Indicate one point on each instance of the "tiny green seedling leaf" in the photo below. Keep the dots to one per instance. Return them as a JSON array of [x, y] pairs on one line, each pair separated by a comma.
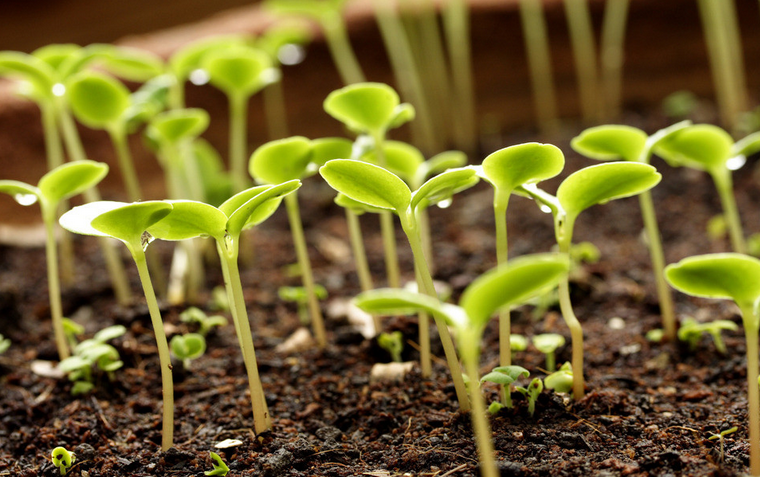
[[328, 148], [561, 381], [439, 163], [132, 64], [220, 468], [548, 343], [98, 100], [611, 143], [282, 160], [190, 58], [393, 343], [441, 188], [532, 392], [62, 459], [205, 323], [522, 164], [367, 183], [518, 342], [398, 157], [701, 146], [239, 70], [368, 107], [109, 333], [5, 343], [188, 347], [36, 72], [504, 376], [721, 275], [173, 126]]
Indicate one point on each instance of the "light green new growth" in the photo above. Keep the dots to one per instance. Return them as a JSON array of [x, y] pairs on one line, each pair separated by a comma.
[[691, 332], [507, 285], [532, 392], [393, 343], [94, 352], [188, 347], [721, 436], [5, 343], [504, 376], [53, 188], [128, 223], [62, 459], [205, 323], [300, 297], [548, 343], [220, 468], [735, 277], [561, 381]]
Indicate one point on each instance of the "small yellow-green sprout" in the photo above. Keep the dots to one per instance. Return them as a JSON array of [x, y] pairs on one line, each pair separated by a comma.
[[62, 459], [72, 329], [94, 352], [393, 343], [5, 343], [532, 392], [188, 347], [205, 323], [504, 376], [220, 301], [517, 342], [680, 104], [561, 381], [721, 437], [655, 335], [220, 468], [300, 297], [717, 227], [548, 343], [691, 332]]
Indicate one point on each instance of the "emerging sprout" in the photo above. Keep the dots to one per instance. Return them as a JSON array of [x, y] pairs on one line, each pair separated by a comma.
[[94, 352], [393, 343], [504, 376], [300, 297], [220, 468], [517, 342], [532, 392], [561, 381], [548, 343], [5, 343], [721, 436], [691, 332], [62, 459], [72, 329], [205, 323], [188, 347]]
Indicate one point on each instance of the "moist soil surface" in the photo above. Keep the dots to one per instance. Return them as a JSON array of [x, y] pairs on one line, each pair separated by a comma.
[[649, 409]]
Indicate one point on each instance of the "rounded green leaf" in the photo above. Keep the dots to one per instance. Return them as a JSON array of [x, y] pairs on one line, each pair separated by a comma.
[[548, 342], [280, 161], [604, 182], [367, 183], [437, 164], [260, 207], [514, 283], [23, 193], [527, 163], [720, 275], [357, 207], [188, 346], [110, 333], [747, 146], [701, 146], [233, 203], [292, 32], [132, 64], [398, 157], [55, 54], [79, 219], [505, 375], [97, 100], [189, 219], [28, 68], [173, 126], [70, 179], [127, 223], [611, 143], [329, 148], [239, 70], [364, 107], [390, 301], [443, 186], [190, 57]]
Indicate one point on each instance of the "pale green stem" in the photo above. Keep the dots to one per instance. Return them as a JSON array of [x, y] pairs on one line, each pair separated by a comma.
[[564, 240], [723, 182], [753, 393], [412, 234], [194, 189], [423, 221], [584, 53], [164, 358], [113, 263], [177, 94], [360, 259], [54, 287], [733, 38], [299, 240], [480, 424], [456, 18], [539, 61], [658, 265], [275, 111], [261, 418], [231, 297], [551, 361], [612, 54], [340, 49], [238, 121], [501, 201], [387, 229], [423, 335], [126, 164]]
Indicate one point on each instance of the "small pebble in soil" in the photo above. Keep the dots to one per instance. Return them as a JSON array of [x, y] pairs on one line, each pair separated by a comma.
[[616, 323], [274, 464]]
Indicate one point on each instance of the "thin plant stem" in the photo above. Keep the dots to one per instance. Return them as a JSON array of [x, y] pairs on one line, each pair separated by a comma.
[[389, 247], [423, 335], [753, 393], [576, 332], [54, 287], [238, 120], [164, 358], [480, 424], [412, 234], [501, 202], [296, 227], [340, 49], [658, 265], [723, 183], [176, 95], [275, 111], [456, 19], [126, 164], [360, 259], [612, 54], [582, 41], [733, 37], [423, 221], [539, 62]]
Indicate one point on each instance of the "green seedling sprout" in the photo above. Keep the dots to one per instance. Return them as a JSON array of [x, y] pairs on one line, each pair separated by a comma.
[[504, 376], [721, 437], [72, 329], [584, 188], [328, 13], [277, 162], [549, 343], [219, 467], [188, 347], [373, 109], [539, 62], [532, 392], [62, 459], [300, 297], [711, 149], [94, 352], [205, 323], [54, 187], [691, 332], [128, 223], [377, 187], [5, 343], [561, 381], [518, 342], [190, 219], [219, 299], [614, 142], [736, 277], [507, 285], [507, 169], [393, 343], [240, 72]]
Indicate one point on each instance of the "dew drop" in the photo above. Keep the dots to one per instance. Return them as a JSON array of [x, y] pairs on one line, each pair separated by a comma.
[[545, 209], [199, 77], [445, 203], [291, 54], [59, 89], [270, 75], [25, 199], [736, 162]]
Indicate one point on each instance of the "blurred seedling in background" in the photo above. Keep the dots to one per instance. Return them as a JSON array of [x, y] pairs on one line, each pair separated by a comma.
[[691, 332], [188, 347], [5, 343], [393, 343], [72, 330], [549, 343], [219, 467], [93, 353], [205, 323], [300, 297], [560, 381], [62, 459], [504, 376]]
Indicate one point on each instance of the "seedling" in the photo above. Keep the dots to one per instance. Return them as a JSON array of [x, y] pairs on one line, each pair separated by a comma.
[[189, 219], [691, 331], [5, 343], [507, 169], [62, 459], [220, 468], [380, 188], [612, 142], [205, 323], [94, 352], [393, 343], [736, 277], [188, 347], [72, 329], [507, 285], [561, 381], [54, 187], [721, 437], [532, 392], [128, 223], [504, 376], [589, 186], [300, 297], [548, 343]]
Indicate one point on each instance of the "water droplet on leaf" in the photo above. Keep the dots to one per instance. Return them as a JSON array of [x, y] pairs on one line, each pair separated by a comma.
[[291, 54], [25, 199], [736, 162], [199, 77], [59, 89], [445, 203]]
